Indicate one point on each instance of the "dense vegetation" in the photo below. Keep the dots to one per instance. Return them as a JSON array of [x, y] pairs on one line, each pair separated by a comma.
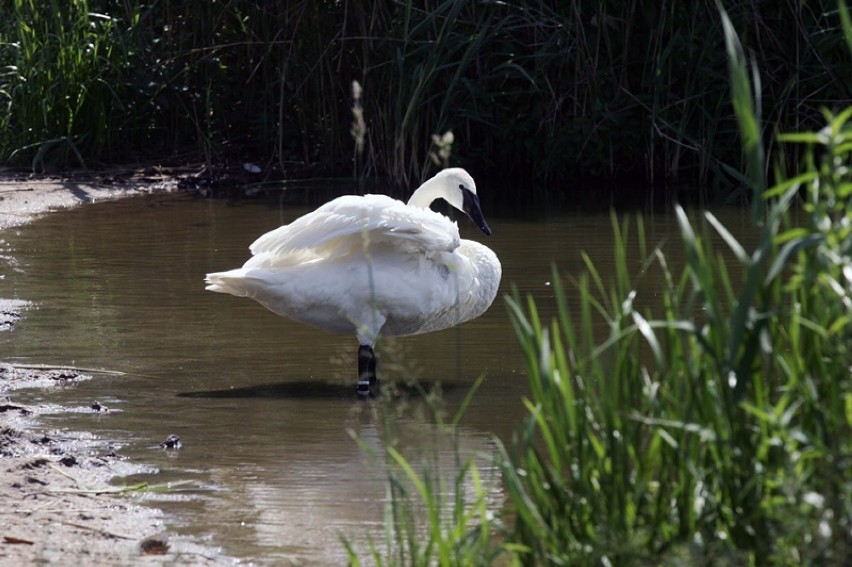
[[712, 425], [547, 91]]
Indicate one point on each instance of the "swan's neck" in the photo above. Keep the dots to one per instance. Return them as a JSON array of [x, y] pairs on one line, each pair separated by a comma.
[[426, 193]]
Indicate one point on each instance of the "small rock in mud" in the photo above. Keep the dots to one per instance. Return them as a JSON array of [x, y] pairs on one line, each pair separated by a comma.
[[7, 405], [17, 540], [9, 438], [171, 442], [10, 312], [8, 320], [36, 463], [157, 544]]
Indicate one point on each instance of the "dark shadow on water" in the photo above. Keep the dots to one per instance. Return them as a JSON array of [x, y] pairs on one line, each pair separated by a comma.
[[317, 390], [305, 389]]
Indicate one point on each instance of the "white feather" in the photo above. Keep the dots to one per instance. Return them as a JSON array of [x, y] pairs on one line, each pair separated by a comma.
[[371, 264]]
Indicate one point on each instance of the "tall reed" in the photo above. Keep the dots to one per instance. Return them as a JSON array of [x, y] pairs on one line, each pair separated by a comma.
[[712, 424], [441, 508], [549, 91], [64, 72], [713, 431]]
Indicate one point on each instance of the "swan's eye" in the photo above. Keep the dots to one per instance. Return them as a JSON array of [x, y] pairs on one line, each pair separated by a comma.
[[461, 186]]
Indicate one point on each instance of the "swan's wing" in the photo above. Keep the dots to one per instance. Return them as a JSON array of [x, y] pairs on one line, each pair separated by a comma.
[[337, 225]]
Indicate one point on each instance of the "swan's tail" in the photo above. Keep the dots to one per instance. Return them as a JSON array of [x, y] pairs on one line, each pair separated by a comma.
[[233, 282]]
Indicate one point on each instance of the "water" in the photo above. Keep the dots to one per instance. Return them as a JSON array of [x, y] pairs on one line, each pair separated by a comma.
[[265, 407]]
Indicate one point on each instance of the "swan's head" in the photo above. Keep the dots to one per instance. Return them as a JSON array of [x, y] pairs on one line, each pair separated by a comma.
[[455, 186]]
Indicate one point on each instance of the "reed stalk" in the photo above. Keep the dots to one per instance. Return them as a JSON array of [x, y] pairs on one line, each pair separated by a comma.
[[711, 424], [548, 91], [710, 432]]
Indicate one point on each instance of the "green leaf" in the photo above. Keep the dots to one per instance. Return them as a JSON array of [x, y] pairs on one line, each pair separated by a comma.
[[647, 332], [845, 23], [791, 184], [803, 138], [729, 239], [848, 403], [788, 250]]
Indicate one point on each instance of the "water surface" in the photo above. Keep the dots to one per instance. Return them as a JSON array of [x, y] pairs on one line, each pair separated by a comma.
[[265, 407]]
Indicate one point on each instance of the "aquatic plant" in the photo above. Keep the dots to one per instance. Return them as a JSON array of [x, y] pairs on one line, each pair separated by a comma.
[[719, 428], [437, 512], [546, 90], [64, 69], [712, 423]]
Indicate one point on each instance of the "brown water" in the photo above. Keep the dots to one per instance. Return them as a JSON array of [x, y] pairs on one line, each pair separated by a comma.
[[265, 407]]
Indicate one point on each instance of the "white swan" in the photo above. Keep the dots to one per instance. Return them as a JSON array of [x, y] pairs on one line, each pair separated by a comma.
[[372, 264]]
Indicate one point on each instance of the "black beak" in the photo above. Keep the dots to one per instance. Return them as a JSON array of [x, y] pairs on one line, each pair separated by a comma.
[[474, 212]]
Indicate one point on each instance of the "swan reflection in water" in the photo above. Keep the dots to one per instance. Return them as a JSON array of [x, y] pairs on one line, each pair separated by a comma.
[[297, 504]]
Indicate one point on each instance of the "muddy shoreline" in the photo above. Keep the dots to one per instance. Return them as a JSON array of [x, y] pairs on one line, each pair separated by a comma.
[[61, 501]]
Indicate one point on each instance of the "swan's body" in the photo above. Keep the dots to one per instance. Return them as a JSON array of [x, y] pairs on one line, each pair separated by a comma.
[[369, 265]]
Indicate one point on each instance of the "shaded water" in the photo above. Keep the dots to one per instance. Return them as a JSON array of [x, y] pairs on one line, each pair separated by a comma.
[[264, 406]]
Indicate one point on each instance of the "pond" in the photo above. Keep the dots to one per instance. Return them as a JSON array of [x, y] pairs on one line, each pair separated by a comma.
[[265, 407]]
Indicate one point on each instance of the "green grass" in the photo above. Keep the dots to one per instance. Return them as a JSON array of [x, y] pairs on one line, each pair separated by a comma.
[[437, 512], [717, 429], [62, 73], [551, 92], [711, 424]]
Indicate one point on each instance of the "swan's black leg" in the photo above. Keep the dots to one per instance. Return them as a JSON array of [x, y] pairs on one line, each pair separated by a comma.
[[368, 384]]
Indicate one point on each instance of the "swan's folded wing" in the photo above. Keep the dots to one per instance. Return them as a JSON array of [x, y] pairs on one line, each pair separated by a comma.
[[337, 225]]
